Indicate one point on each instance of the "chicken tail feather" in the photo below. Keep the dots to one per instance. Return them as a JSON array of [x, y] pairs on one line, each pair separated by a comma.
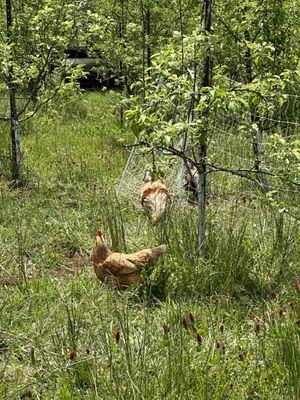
[[156, 252]]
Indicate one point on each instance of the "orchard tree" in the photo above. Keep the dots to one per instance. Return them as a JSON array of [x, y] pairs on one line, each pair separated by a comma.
[[232, 70], [256, 54], [33, 64], [176, 105], [135, 31]]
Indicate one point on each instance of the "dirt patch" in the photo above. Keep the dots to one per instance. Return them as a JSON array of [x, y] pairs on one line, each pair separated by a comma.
[[74, 265]]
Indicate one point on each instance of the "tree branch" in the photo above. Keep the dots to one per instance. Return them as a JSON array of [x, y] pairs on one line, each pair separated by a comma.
[[244, 173], [41, 104]]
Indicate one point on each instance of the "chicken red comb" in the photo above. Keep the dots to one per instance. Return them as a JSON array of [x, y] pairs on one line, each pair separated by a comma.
[[100, 234]]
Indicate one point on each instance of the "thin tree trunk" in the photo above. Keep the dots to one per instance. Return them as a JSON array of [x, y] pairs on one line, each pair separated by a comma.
[[148, 35], [14, 118], [181, 34], [121, 64], [143, 48], [184, 166], [257, 139], [206, 81], [260, 157]]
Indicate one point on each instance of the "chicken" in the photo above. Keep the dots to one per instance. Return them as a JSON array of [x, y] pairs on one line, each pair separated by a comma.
[[154, 197], [124, 269]]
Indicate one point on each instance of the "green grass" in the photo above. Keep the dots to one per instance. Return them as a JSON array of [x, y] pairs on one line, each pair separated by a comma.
[[73, 158]]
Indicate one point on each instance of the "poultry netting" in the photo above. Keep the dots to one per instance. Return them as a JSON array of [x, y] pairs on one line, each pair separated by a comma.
[[167, 167], [242, 164]]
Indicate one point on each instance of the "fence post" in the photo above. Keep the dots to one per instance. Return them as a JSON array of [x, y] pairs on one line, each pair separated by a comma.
[[206, 82]]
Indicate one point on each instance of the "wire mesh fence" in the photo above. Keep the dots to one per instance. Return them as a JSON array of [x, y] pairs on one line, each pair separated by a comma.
[[236, 172]]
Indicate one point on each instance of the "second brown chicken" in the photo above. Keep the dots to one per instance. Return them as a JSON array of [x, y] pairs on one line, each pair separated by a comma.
[[154, 197]]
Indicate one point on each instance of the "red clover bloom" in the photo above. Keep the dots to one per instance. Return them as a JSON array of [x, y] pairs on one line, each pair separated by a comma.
[[184, 322], [117, 335], [198, 337], [257, 327], [192, 317]]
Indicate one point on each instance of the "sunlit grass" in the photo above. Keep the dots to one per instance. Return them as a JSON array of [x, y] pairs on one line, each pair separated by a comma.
[[52, 304]]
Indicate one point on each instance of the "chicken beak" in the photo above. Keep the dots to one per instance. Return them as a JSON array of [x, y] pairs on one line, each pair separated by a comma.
[[99, 240]]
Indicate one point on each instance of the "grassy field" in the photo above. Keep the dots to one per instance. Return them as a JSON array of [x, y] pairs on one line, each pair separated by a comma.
[[222, 328]]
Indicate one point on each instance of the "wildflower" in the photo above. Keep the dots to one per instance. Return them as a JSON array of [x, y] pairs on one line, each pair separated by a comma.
[[166, 328], [280, 311], [221, 327], [184, 322], [291, 304], [257, 327], [42, 371], [272, 314], [87, 350], [216, 301], [241, 355], [198, 337], [192, 317], [117, 335], [298, 322], [72, 355]]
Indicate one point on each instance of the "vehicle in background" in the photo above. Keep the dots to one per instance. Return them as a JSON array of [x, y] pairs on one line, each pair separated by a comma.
[[94, 77]]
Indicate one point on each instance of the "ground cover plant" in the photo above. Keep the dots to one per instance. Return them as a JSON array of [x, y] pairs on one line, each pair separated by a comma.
[[202, 91], [224, 327]]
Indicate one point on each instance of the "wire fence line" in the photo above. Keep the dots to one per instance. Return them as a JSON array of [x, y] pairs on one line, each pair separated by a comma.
[[231, 139], [231, 147]]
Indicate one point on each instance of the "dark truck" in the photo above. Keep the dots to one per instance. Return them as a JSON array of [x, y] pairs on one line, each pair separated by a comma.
[[94, 78]]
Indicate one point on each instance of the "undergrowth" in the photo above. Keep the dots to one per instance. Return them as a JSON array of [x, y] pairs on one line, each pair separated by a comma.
[[226, 327]]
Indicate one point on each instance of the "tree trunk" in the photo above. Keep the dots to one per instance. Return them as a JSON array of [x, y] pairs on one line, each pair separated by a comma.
[[206, 81], [148, 35], [15, 139], [143, 38], [122, 73], [258, 151], [181, 34], [257, 139], [14, 119]]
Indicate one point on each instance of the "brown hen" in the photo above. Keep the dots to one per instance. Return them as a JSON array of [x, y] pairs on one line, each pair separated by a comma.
[[123, 269], [154, 197]]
